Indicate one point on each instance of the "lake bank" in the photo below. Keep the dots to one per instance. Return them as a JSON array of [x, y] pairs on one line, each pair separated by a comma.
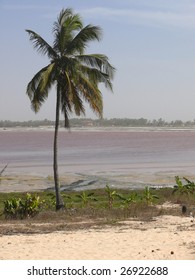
[[80, 181]]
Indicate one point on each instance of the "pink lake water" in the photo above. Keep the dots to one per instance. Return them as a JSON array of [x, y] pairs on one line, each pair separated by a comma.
[[105, 152]]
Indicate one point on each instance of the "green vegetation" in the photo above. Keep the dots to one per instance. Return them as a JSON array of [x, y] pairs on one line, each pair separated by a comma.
[[111, 194], [127, 201], [86, 198], [105, 204], [22, 208], [148, 196], [183, 189]]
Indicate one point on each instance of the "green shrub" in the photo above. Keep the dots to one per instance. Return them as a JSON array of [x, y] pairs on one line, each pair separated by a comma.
[[22, 208], [181, 188]]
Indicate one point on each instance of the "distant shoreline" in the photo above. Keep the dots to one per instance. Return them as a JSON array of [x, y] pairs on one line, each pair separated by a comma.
[[106, 123], [100, 129]]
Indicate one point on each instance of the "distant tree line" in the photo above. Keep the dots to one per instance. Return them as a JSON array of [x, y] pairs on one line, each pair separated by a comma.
[[86, 122]]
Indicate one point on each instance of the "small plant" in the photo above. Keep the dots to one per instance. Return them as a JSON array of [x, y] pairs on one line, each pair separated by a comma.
[[52, 200], [190, 184], [11, 208], [30, 206], [85, 198], [183, 188], [17, 208], [111, 194], [148, 196], [127, 201]]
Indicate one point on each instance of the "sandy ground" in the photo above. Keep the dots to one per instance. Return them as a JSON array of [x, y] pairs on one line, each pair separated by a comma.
[[164, 238], [18, 182]]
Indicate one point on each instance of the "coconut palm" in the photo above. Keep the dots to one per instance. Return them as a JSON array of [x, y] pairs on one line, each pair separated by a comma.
[[75, 75]]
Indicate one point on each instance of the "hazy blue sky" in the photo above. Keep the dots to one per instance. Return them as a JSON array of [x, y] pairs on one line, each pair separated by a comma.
[[150, 42]]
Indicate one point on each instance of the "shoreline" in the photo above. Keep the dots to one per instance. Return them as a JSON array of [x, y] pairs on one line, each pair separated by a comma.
[[72, 181], [99, 129], [26, 182]]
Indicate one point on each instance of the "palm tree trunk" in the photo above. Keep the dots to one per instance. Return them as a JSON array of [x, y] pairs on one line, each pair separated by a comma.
[[59, 200]]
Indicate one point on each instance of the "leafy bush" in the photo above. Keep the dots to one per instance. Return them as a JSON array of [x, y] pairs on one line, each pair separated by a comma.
[[22, 208], [181, 188]]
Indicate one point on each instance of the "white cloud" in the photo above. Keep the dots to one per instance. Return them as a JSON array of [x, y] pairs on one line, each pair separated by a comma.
[[182, 17], [163, 13]]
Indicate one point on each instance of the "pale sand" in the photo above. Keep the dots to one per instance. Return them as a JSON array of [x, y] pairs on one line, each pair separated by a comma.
[[164, 238]]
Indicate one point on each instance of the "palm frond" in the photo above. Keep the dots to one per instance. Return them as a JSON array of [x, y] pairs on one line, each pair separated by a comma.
[[68, 19], [41, 45], [66, 119], [64, 15], [79, 43], [38, 87], [64, 29], [74, 97], [91, 94], [95, 75], [70, 99], [98, 61]]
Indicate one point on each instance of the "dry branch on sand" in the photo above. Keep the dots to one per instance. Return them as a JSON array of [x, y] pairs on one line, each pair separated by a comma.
[[2, 170]]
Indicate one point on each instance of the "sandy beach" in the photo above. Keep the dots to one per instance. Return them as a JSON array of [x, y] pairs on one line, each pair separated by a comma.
[[163, 238]]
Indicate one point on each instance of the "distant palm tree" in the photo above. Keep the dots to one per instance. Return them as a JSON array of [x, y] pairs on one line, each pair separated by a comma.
[[75, 74]]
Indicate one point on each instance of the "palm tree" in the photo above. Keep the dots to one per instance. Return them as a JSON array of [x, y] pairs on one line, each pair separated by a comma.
[[76, 75]]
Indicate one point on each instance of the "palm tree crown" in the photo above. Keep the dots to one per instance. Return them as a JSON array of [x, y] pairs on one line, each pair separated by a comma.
[[75, 74]]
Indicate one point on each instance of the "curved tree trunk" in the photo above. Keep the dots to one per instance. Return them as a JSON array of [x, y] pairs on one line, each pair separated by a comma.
[[59, 200]]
